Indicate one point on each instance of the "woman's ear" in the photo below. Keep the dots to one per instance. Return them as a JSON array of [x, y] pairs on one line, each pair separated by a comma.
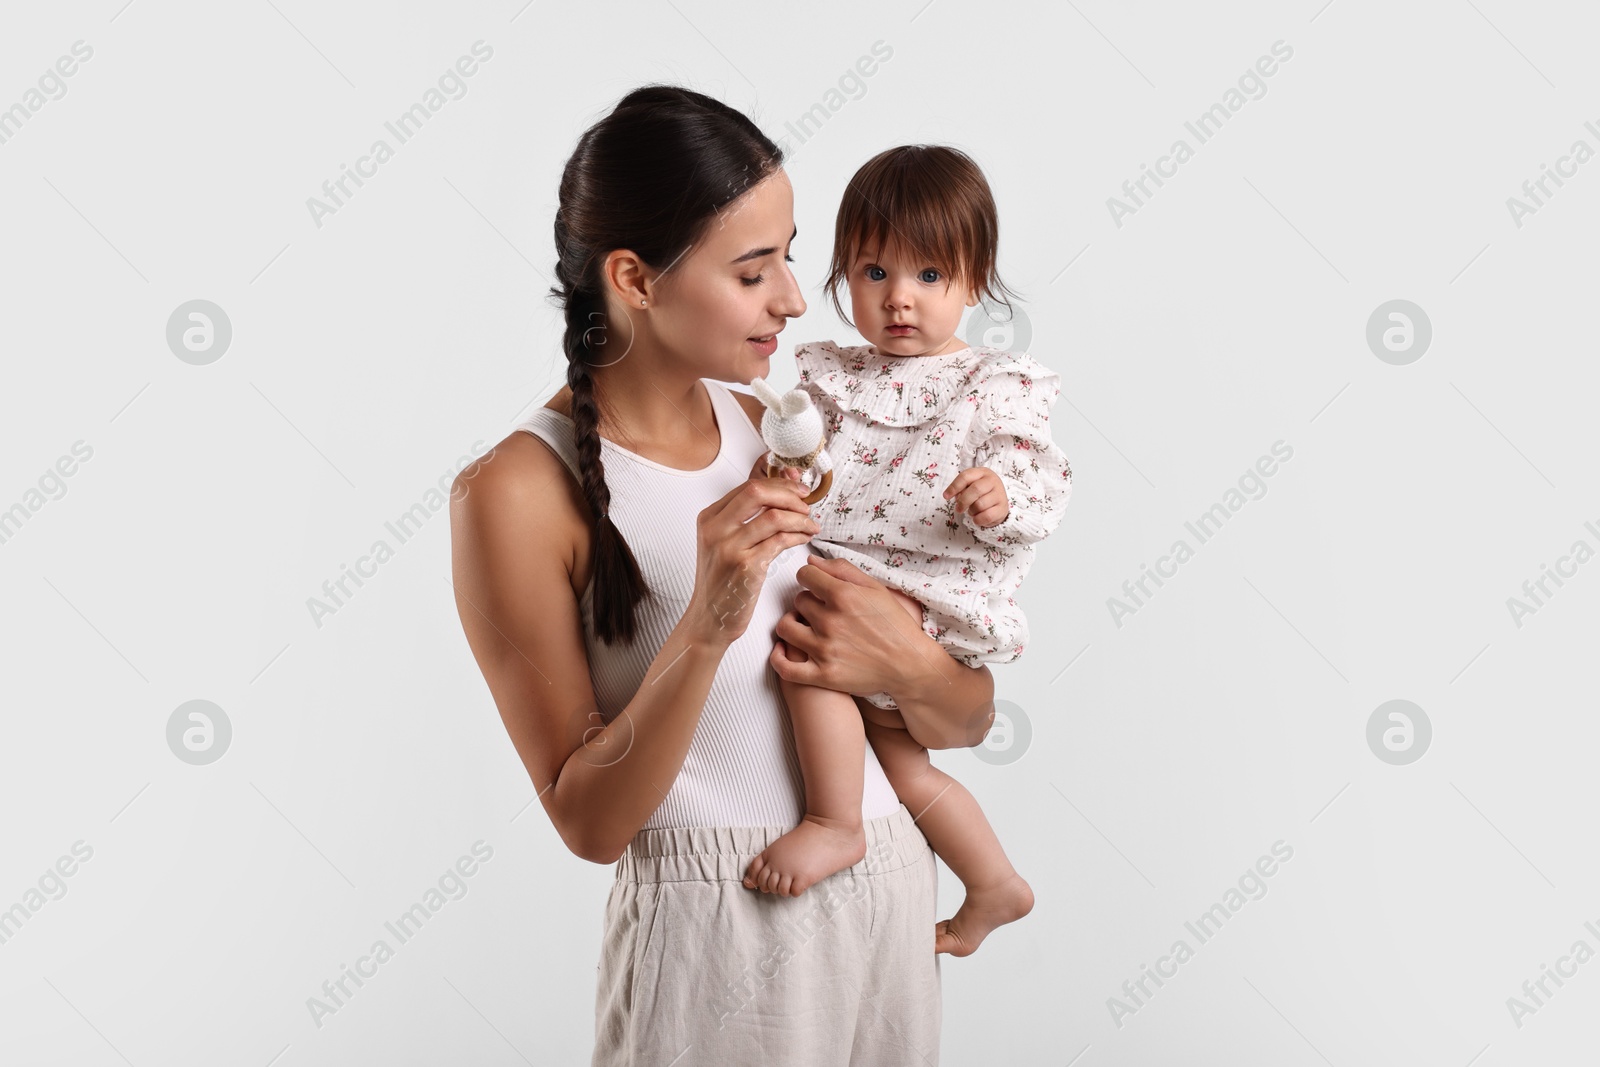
[[627, 277]]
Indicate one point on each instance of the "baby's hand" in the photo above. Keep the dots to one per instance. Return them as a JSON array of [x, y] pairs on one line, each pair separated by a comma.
[[980, 491]]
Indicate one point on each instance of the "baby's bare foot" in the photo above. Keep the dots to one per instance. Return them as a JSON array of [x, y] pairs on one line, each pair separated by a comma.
[[806, 855], [983, 910]]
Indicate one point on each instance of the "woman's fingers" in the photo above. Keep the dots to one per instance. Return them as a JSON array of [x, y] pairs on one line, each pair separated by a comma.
[[792, 627], [797, 638], [855, 635], [815, 579], [737, 537], [772, 524], [754, 511], [781, 543], [760, 471], [739, 505], [844, 570], [805, 606], [764, 492], [789, 667]]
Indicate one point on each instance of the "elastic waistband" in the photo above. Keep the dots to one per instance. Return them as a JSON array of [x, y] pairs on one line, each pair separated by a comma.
[[722, 853]]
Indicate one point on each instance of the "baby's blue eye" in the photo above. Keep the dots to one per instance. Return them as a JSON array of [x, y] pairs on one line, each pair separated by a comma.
[[877, 274]]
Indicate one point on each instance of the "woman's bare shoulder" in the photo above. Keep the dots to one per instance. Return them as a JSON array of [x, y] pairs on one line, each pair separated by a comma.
[[520, 491], [506, 468], [561, 402]]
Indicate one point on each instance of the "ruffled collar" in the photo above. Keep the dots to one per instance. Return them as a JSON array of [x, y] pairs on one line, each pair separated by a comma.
[[898, 390]]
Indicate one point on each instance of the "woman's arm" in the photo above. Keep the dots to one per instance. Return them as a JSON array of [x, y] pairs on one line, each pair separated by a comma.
[[511, 539], [949, 702], [856, 639], [510, 547]]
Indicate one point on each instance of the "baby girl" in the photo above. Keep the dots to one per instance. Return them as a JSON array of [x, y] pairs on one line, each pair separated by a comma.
[[944, 478]]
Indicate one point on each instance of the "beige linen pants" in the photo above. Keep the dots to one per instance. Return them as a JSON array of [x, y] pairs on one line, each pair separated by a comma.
[[698, 971]]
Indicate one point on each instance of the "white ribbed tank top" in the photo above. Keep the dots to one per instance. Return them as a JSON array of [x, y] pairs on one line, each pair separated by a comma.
[[741, 769]]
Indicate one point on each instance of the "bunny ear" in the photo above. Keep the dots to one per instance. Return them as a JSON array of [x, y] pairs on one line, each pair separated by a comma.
[[795, 401], [767, 394]]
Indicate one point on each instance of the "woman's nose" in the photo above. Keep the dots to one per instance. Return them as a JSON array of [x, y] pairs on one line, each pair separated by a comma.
[[793, 303]]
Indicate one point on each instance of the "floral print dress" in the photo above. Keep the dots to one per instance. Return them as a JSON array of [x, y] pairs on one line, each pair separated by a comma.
[[899, 429]]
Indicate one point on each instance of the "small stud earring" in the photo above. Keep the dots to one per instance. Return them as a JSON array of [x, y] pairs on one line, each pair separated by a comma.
[[641, 303]]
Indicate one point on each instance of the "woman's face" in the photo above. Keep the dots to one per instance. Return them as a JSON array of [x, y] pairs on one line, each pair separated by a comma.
[[732, 287]]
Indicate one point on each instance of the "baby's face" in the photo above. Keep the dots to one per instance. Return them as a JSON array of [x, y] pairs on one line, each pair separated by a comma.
[[904, 307]]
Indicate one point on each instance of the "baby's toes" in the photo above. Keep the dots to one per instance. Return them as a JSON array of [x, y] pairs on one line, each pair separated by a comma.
[[752, 873]]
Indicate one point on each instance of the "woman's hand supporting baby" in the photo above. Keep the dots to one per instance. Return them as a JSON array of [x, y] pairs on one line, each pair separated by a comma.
[[847, 632]]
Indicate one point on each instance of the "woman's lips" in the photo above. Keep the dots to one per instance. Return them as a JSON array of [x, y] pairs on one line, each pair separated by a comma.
[[766, 347]]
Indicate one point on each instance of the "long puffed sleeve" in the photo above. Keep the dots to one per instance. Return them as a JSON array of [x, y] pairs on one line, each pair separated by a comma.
[[1010, 434]]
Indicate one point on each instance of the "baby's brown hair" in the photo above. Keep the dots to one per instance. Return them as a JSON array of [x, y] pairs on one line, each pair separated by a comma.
[[930, 201]]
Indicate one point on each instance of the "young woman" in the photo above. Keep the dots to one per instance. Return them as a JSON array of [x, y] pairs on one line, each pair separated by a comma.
[[622, 569]]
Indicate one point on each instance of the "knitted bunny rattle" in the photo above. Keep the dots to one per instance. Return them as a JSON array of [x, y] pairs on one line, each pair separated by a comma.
[[792, 429]]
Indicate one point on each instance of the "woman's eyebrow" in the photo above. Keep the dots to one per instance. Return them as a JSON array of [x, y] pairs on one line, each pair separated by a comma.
[[757, 253]]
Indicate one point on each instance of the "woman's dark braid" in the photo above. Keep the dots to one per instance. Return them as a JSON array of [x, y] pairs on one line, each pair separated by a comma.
[[619, 584], [585, 412]]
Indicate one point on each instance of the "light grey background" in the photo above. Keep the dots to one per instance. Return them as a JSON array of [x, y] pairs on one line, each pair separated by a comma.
[[1167, 753]]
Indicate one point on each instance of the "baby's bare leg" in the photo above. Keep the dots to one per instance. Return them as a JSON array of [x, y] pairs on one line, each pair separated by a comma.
[[955, 826], [831, 748]]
